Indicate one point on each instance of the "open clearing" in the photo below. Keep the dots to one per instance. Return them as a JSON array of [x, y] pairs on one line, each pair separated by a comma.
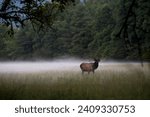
[[63, 80]]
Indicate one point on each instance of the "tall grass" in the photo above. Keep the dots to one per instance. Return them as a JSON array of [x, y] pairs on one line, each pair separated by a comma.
[[119, 81]]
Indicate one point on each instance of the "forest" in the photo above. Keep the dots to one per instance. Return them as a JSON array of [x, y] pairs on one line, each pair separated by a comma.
[[87, 29]]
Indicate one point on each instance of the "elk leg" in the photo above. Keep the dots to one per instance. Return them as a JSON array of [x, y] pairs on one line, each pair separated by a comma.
[[82, 72]]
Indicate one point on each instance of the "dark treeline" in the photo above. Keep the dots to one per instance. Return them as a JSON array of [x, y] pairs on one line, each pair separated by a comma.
[[84, 30]]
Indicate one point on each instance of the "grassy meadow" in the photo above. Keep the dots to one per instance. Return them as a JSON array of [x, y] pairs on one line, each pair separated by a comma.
[[110, 81]]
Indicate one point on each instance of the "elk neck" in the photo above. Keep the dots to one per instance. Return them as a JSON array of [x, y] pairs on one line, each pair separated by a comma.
[[95, 65]]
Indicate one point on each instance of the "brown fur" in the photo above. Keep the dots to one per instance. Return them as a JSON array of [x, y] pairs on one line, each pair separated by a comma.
[[89, 67]]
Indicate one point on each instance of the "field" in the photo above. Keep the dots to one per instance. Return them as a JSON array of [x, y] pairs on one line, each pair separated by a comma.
[[110, 81]]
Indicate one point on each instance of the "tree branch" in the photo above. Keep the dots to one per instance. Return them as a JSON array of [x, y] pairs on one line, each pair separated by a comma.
[[126, 18]]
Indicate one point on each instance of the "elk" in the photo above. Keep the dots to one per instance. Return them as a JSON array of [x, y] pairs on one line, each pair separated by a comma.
[[89, 67]]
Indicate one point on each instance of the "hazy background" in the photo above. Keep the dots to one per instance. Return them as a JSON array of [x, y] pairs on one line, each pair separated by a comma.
[[61, 65]]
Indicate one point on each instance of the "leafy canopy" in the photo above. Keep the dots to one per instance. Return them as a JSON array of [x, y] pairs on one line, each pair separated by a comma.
[[14, 13]]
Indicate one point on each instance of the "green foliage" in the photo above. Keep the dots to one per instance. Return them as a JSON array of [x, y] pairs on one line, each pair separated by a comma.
[[39, 12], [7, 44], [86, 30]]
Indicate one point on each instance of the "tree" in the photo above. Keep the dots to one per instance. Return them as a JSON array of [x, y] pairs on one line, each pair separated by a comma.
[[14, 13], [134, 25], [7, 44], [84, 30]]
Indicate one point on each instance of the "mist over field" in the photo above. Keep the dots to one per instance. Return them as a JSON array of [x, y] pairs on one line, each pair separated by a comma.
[[39, 66], [70, 64], [63, 79], [60, 65]]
